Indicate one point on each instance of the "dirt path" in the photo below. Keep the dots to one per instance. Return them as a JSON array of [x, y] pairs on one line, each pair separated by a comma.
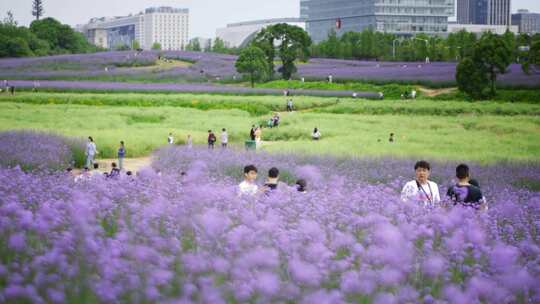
[[435, 92], [130, 164]]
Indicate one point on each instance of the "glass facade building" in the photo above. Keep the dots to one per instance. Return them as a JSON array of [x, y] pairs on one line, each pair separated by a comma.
[[402, 17], [492, 12], [527, 22]]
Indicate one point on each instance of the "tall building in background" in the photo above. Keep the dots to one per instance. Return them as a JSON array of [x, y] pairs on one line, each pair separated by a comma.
[[402, 17], [491, 12], [526, 21], [164, 25]]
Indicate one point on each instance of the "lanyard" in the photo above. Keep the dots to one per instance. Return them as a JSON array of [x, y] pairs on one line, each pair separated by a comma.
[[429, 197]]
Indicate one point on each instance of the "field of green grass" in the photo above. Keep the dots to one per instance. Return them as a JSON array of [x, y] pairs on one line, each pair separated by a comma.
[[449, 130]]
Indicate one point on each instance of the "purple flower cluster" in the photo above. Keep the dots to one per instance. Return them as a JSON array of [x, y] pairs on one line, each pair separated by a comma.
[[169, 237], [213, 66], [35, 150]]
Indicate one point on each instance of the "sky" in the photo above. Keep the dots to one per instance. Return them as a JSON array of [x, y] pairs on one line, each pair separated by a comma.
[[206, 15]]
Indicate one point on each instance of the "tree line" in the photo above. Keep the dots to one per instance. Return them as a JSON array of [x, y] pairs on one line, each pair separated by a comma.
[[44, 37], [372, 45]]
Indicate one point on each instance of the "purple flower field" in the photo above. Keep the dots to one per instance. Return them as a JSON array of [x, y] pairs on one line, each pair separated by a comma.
[[212, 67], [164, 237], [38, 151]]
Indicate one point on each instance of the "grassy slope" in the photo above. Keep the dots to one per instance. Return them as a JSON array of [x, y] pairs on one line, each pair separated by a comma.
[[485, 137]]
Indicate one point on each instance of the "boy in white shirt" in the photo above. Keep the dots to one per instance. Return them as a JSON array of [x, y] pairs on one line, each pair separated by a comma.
[[248, 186], [421, 189]]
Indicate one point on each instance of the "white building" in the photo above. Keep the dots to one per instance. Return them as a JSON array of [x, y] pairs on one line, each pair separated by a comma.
[[240, 34], [481, 28], [164, 25]]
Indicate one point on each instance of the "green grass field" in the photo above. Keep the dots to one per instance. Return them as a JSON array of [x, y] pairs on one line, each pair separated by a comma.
[[449, 130]]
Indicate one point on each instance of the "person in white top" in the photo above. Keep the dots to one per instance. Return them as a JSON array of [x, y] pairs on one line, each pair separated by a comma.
[[189, 141], [170, 139], [421, 189], [90, 152], [316, 135], [224, 138], [248, 186]]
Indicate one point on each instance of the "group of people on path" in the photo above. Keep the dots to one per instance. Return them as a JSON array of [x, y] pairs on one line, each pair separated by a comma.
[[465, 192]]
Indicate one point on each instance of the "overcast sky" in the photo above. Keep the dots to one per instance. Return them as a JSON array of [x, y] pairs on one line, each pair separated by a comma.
[[206, 15]]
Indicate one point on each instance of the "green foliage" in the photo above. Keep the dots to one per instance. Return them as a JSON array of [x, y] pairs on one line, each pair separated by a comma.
[[389, 90], [294, 44], [471, 79], [135, 45], [252, 63], [194, 45], [156, 46], [532, 57], [60, 37], [18, 41], [491, 55], [219, 46]]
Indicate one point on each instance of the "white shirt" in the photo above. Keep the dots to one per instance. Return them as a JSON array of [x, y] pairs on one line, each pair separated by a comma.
[[91, 149], [224, 137], [247, 188], [316, 134], [428, 194], [170, 139]]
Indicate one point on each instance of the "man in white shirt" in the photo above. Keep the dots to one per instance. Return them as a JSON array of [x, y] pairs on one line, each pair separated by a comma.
[[90, 152], [248, 186], [224, 138], [421, 189], [170, 139]]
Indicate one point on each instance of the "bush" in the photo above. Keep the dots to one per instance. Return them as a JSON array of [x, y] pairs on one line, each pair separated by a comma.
[[32, 151]]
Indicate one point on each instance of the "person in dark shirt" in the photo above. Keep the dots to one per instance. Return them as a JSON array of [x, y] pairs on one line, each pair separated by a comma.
[[273, 179], [464, 193], [211, 139], [115, 172], [252, 133]]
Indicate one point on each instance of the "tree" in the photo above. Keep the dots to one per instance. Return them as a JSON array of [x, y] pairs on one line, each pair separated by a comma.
[[471, 80], [135, 45], [252, 61], [532, 58], [219, 46], [194, 45], [14, 47], [156, 46], [293, 41], [494, 55], [491, 56], [37, 9], [10, 20]]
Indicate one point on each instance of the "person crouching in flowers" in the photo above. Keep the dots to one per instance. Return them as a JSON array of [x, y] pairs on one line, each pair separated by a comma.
[[248, 186], [421, 189]]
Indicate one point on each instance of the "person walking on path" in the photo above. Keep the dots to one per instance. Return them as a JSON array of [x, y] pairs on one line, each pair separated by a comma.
[[211, 139], [224, 138], [289, 105], [121, 155], [91, 151]]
